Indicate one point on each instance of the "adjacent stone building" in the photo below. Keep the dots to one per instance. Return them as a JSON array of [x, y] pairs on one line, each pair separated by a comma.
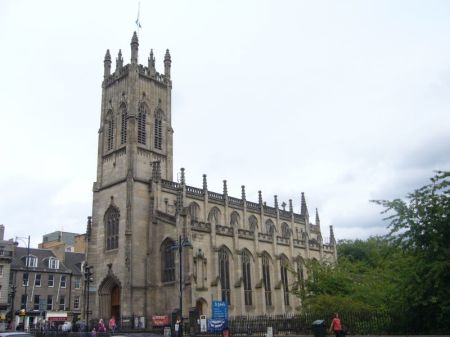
[[234, 249], [6, 253], [47, 287]]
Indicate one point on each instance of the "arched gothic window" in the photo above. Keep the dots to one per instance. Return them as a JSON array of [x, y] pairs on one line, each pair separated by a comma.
[[284, 278], [224, 275], [110, 134], [270, 227], [235, 219], [124, 123], [214, 216], [266, 279], [300, 274], [194, 211], [158, 129], [246, 277], [142, 132], [285, 231], [253, 223], [112, 216], [167, 261]]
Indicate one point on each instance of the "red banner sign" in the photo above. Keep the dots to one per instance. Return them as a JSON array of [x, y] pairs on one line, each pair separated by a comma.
[[160, 320]]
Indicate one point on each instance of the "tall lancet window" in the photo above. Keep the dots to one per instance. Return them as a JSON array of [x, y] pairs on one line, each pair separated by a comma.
[[112, 216], [246, 277], [224, 275], [110, 134], [124, 120], [284, 279], [266, 279], [168, 261], [158, 129], [142, 115]]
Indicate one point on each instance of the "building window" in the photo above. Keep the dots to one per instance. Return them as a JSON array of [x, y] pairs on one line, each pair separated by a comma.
[[53, 263], [158, 129], [62, 303], [63, 281], [266, 279], [194, 211], [31, 261], [50, 302], [112, 228], [25, 279], [37, 280], [123, 131], [224, 275], [23, 301], [51, 280], [110, 135], [77, 282], [284, 279], [168, 261], [142, 115], [1, 270], [76, 303], [235, 219], [253, 223], [300, 275], [270, 227], [36, 302], [214, 216], [285, 231], [246, 277]]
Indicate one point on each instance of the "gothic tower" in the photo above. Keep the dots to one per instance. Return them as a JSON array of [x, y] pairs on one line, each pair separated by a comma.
[[135, 131]]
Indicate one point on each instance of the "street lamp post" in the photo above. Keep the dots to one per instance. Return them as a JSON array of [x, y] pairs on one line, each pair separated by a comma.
[[27, 268], [13, 295], [87, 280], [182, 242]]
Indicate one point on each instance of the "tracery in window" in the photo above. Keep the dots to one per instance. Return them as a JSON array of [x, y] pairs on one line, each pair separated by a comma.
[[167, 261], [270, 227], [284, 262], [110, 135], [235, 219], [224, 275], [266, 279], [142, 132], [285, 231], [124, 123], [214, 216], [111, 220], [194, 211], [253, 223], [246, 277], [158, 129]]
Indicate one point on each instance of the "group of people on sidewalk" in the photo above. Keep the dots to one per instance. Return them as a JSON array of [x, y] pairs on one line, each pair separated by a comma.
[[102, 328]]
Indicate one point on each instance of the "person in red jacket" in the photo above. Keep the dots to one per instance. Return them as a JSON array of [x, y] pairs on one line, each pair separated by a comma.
[[336, 326]]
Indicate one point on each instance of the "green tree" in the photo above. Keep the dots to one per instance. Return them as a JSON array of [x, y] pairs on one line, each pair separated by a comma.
[[420, 225]]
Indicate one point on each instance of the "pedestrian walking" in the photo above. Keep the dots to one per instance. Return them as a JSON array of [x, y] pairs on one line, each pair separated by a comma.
[[112, 324], [336, 326], [101, 326]]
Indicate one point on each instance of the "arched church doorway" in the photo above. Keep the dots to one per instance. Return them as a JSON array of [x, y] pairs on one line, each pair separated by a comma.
[[109, 297], [115, 302], [202, 306]]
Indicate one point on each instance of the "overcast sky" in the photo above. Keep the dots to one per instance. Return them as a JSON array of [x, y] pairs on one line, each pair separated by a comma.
[[346, 101]]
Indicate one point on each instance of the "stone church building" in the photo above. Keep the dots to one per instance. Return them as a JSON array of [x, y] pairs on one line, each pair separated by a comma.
[[233, 249]]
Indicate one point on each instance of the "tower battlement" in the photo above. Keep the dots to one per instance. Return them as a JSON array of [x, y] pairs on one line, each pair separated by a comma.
[[149, 72]]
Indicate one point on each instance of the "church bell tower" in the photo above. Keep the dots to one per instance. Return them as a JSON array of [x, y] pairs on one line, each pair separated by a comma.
[[135, 131]]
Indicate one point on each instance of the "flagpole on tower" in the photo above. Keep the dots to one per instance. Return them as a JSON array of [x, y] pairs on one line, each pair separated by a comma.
[[138, 21]]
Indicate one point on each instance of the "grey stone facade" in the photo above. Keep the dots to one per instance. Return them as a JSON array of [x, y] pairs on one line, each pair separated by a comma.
[[239, 248]]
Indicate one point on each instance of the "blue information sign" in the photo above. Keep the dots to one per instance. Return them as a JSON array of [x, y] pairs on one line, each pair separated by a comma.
[[219, 310]]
